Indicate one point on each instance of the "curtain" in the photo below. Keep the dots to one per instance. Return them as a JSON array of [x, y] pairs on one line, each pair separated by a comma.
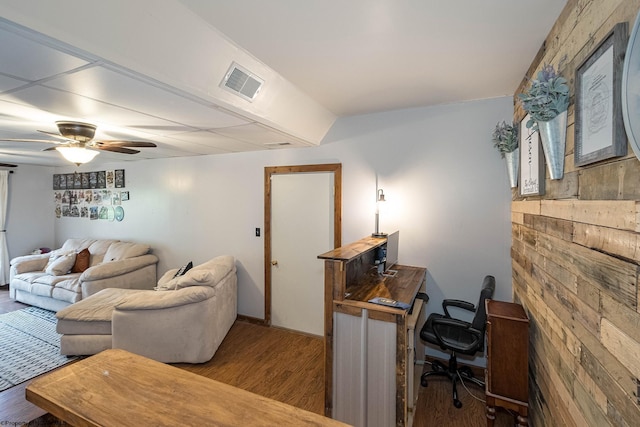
[[4, 252]]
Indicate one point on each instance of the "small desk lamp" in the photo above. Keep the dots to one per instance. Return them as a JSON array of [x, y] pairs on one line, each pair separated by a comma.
[[379, 198]]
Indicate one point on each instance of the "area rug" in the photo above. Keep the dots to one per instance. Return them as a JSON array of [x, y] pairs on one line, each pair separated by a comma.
[[29, 345]]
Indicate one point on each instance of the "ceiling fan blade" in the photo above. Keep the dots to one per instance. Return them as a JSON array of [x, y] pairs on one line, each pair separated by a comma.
[[117, 143], [116, 149], [8, 165], [55, 135], [30, 140], [77, 134]]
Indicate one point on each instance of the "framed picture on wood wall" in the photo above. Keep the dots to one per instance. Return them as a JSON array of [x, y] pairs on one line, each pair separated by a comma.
[[631, 88], [531, 161], [599, 128]]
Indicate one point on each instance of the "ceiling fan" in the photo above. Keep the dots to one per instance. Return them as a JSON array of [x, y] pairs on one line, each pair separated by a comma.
[[76, 137], [7, 165]]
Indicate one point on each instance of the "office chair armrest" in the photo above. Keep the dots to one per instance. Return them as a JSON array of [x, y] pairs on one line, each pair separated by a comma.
[[456, 303], [449, 321], [459, 324]]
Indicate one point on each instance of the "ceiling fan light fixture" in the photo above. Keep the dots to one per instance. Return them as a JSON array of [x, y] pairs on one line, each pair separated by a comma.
[[77, 155], [83, 132]]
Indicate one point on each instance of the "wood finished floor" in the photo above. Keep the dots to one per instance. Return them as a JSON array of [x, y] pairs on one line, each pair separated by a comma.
[[279, 364]]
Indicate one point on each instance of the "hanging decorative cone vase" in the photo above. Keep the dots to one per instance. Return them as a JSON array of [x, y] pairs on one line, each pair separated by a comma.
[[553, 134], [513, 164]]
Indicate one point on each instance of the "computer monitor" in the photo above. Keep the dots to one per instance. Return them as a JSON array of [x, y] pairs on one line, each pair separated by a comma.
[[392, 250]]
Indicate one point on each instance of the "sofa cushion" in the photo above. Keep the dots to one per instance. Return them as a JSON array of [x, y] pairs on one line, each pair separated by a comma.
[[206, 274], [71, 283], [61, 264], [76, 245], [190, 278], [22, 285], [92, 315], [124, 250], [98, 249], [149, 300], [195, 278], [51, 280], [54, 255], [41, 289], [219, 267], [163, 283], [27, 277], [82, 261], [66, 295]]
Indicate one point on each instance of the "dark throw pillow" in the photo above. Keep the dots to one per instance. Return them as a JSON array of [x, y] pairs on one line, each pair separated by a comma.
[[184, 269], [82, 261]]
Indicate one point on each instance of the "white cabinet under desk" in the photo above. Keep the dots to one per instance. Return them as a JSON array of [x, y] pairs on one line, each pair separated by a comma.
[[371, 377]]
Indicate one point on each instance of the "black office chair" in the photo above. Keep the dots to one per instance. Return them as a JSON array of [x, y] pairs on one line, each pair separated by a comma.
[[458, 336]]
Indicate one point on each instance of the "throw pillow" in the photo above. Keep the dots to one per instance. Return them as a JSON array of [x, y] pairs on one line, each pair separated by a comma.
[[184, 269], [61, 265], [220, 267], [173, 280], [54, 255], [194, 278], [82, 261]]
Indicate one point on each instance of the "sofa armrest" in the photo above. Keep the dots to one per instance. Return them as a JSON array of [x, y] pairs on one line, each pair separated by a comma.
[[188, 333], [23, 264], [154, 300], [116, 268]]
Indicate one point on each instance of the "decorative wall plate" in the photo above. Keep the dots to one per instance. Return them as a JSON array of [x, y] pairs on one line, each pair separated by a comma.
[[110, 213], [631, 89], [119, 213]]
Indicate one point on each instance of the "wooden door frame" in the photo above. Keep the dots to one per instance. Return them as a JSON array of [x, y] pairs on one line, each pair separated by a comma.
[[269, 171]]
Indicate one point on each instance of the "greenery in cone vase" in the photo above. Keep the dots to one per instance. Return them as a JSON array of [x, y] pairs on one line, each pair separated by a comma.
[[547, 97], [505, 137]]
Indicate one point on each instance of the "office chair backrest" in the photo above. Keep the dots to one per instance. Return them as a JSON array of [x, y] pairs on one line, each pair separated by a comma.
[[480, 319]]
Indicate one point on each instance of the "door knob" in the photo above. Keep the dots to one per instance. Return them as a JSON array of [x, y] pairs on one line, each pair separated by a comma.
[[274, 262]]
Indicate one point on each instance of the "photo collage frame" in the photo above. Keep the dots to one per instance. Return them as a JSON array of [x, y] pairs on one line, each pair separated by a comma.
[[91, 195]]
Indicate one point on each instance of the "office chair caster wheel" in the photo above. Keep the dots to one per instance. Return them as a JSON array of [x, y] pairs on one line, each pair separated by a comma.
[[457, 403], [437, 366], [424, 382], [466, 372]]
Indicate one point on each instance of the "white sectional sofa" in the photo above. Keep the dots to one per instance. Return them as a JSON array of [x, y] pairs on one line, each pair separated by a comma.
[[46, 280], [184, 320]]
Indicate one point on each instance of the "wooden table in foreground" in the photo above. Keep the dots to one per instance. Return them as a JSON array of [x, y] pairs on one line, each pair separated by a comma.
[[118, 388]]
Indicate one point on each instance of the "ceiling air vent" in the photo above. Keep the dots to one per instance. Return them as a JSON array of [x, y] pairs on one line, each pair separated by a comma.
[[242, 82]]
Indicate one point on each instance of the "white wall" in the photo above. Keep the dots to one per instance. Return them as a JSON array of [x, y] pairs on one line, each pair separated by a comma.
[[30, 217], [446, 186], [447, 189]]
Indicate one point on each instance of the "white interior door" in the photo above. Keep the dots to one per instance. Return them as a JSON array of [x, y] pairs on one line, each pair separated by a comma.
[[302, 212]]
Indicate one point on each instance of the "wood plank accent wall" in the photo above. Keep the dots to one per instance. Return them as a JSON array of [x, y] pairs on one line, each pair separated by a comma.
[[576, 256]]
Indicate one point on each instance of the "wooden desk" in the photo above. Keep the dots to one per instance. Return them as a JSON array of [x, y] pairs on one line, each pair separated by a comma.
[[118, 388], [371, 350]]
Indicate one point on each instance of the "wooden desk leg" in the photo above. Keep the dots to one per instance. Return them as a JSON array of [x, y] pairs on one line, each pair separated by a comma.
[[523, 421], [491, 411]]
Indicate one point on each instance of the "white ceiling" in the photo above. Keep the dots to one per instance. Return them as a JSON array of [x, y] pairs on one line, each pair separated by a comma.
[[151, 76]]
